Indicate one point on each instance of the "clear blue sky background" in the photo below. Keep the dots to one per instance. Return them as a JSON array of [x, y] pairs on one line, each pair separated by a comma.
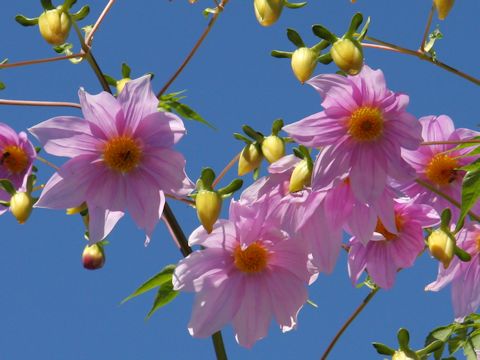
[[51, 308]]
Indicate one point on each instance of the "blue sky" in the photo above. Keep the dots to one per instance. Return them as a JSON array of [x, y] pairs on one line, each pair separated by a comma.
[[51, 308]]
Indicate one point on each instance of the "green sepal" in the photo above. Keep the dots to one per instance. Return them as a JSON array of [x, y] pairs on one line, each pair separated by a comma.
[[470, 192], [32, 178], [462, 254], [256, 173], [277, 126], [23, 20], [67, 4], [164, 276], [403, 339], [364, 30], [242, 138], [445, 217], [325, 59], [281, 54], [294, 5], [257, 136], [110, 80], [323, 33], [206, 179], [298, 153], [430, 348], [355, 23], [165, 295], [228, 190], [383, 349], [6, 185], [320, 46], [295, 38], [5, 203], [2, 86], [82, 13], [47, 4], [126, 70]]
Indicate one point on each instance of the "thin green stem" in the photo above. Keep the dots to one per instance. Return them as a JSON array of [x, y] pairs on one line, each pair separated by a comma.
[[40, 61], [451, 142], [219, 346], [427, 28], [347, 323], [46, 162], [38, 103]]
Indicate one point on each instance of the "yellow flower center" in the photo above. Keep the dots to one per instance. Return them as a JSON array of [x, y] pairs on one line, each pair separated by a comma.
[[380, 228], [365, 124], [252, 259], [15, 159], [122, 154], [441, 169]]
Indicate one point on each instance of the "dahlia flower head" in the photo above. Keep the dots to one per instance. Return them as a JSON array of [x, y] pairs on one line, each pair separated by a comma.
[[248, 272], [17, 155], [121, 158], [362, 130], [463, 276]]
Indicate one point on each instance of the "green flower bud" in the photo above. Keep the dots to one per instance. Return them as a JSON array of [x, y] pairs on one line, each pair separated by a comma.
[[441, 246], [273, 148], [301, 176], [208, 204], [93, 257], [348, 56], [268, 11], [21, 205], [121, 84], [304, 61], [443, 7], [55, 26], [250, 159]]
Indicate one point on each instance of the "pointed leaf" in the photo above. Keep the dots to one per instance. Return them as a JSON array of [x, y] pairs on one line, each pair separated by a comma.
[[188, 113], [6, 185], [323, 33], [383, 349], [126, 70], [470, 192], [295, 38], [164, 295], [110, 80]]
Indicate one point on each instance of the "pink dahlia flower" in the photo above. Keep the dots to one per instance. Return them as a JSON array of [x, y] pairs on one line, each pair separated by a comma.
[[363, 128], [249, 272], [16, 158], [464, 276], [121, 158], [437, 165], [389, 251]]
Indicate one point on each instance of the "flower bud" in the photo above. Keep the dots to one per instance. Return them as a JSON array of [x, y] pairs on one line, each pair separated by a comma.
[[55, 26], [441, 247], [400, 355], [208, 204], [273, 148], [443, 7], [304, 61], [268, 11], [348, 56], [301, 177], [93, 257], [21, 205], [250, 159], [121, 84]]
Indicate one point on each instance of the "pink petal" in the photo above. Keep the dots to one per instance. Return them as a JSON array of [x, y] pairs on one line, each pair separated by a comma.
[[437, 128], [466, 290], [101, 223], [356, 260], [223, 236], [160, 129], [445, 276], [336, 91], [380, 265]]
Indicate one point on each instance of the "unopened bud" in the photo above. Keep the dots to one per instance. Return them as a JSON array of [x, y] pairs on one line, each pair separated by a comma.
[[268, 11], [250, 159], [93, 257], [348, 56], [304, 61], [21, 205], [208, 204], [443, 7], [400, 355], [121, 84], [273, 148], [55, 26], [300, 177], [441, 246]]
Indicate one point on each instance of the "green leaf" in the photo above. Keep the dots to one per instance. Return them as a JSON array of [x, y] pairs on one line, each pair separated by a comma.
[[22, 20], [110, 80], [466, 144], [323, 33], [295, 5], [2, 86], [355, 23], [164, 276], [126, 70], [281, 54], [469, 351], [188, 113], [47, 4], [475, 165], [470, 192], [82, 13], [383, 349], [6, 185], [164, 296], [295, 38], [364, 31]]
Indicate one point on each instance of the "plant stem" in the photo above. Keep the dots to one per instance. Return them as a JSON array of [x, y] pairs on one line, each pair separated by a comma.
[[219, 346], [427, 28], [89, 38], [352, 317], [46, 162], [225, 170], [453, 142], [38, 103], [195, 48], [40, 61]]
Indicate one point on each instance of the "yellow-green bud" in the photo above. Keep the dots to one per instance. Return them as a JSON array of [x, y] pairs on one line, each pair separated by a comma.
[[441, 247], [268, 11], [77, 210], [273, 148], [208, 204], [121, 84], [93, 257], [400, 355], [249, 160], [443, 7], [55, 26], [301, 177], [348, 56], [304, 61], [21, 205]]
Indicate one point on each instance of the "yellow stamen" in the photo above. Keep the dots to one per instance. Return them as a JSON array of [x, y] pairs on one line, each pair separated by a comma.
[[122, 154], [253, 259], [380, 228], [441, 169], [365, 124], [14, 158]]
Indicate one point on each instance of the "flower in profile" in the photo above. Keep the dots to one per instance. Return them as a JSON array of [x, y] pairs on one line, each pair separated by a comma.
[[389, 251], [16, 158], [363, 128], [121, 158], [464, 276], [248, 272], [437, 164]]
